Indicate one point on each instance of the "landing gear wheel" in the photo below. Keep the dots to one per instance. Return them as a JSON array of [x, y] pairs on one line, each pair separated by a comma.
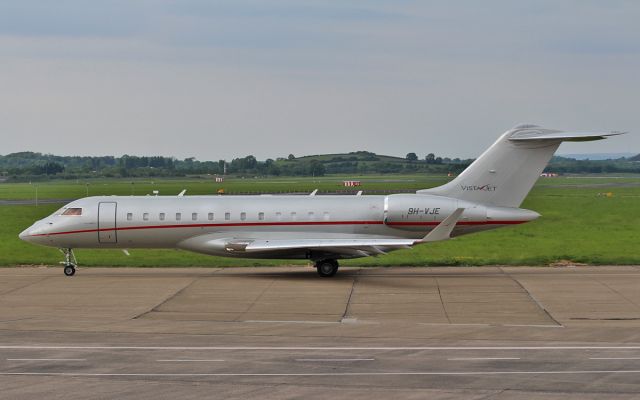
[[69, 262], [69, 270], [327, 268]]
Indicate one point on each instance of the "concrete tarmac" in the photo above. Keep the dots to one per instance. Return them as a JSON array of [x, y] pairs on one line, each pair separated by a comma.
[[249, 333]]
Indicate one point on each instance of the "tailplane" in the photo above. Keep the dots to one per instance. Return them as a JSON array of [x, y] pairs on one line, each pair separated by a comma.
[[505, 173]]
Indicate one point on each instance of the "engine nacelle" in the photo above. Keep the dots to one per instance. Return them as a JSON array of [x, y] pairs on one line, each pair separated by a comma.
[[419, 212]]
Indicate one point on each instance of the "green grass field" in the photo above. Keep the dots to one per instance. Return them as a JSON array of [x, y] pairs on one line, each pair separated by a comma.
[[576, 224], [194, 186]]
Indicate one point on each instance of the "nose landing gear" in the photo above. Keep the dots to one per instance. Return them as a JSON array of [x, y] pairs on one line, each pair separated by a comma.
[[69, 262]]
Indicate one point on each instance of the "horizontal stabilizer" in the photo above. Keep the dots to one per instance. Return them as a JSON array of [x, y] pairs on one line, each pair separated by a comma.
[[505, 173], [444, 228], [545, 134]]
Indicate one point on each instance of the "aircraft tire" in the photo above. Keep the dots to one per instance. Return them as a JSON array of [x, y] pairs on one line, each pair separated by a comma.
[[327, 268], [69, 270]]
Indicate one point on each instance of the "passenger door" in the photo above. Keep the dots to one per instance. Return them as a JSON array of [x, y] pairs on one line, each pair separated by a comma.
[[107, 232]]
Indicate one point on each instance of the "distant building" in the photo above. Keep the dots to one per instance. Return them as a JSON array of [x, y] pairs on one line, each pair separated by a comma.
[[351, 183]]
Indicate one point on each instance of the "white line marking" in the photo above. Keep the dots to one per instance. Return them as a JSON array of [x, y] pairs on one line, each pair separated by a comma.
[[488, 325], [189, 360], [291, 322], [393, 373], [448, 324], [46, 359], [308, 348], [333, 359], [482, 358], [534, 326], [614, 358]]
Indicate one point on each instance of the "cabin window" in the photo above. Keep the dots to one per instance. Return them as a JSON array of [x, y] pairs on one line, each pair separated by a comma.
[[129, 216], [227, 216], [279, 216], [311, 215], [243, 216], [210, 216], [261, 216], [72, 211], [194, 216], [294, 216], [161, 216], [325, 216], [145, 216], [178, 216]]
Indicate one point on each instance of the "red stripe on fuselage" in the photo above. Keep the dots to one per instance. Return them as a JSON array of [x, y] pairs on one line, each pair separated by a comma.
[[300, 223]]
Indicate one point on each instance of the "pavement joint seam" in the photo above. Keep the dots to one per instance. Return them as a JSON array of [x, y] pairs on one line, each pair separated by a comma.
[[444, 308], [241, 315], [616, 292], [531, 296], [347, 309], [10, 291], [170, 297], [493, 395]]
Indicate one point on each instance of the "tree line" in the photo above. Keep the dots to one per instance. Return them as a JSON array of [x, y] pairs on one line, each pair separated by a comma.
[[30, 165]]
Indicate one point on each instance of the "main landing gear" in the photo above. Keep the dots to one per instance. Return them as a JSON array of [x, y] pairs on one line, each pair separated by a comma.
[[327, 268], [69, 262]]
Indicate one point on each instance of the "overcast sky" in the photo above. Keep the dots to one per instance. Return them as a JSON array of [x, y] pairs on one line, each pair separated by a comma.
[[222, 79]]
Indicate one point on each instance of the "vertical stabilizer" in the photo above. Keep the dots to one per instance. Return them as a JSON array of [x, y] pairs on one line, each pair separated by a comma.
[[505, 173]]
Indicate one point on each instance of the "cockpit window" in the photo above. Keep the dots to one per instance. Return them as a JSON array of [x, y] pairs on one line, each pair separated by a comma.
[[72, 211]]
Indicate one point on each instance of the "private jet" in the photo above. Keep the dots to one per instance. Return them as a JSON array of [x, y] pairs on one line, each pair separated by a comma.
[[322, 229]]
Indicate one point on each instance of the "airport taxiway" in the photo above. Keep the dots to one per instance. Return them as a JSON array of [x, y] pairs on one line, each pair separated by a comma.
[[471, 333]]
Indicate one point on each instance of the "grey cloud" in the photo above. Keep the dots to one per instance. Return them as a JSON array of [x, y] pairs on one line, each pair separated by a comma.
[[224, 79]]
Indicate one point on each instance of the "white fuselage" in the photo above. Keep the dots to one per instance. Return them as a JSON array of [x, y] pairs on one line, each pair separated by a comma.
[[183, 222]]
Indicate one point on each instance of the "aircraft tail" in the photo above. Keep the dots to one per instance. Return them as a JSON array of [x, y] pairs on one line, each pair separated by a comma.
[[505, 173]]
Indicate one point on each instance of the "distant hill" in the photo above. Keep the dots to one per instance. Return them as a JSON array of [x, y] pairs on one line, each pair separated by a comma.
[[598, 156], [34, 166], [352, 156], [365, 162], [28, 166]]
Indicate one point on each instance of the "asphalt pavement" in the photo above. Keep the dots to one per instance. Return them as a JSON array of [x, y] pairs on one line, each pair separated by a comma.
[[470, 333]]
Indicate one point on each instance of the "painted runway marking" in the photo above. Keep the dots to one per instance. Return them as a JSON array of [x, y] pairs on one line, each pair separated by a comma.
[[333, 359], [533, 326], [310, 348], [614, 358], [46, 359], [283, 374], [189, 360], [290, 322], [482, 358]]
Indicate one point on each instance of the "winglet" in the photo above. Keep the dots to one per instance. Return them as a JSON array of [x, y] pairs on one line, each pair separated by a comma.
[[182, 193], [444, 228], [313, 193]]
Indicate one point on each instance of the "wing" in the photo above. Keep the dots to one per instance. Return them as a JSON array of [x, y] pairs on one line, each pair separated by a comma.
[[348, 247], [440, 232]]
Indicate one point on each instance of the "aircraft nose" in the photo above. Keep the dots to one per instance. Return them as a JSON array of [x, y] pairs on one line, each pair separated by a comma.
[[25, 234], [33, 234]]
